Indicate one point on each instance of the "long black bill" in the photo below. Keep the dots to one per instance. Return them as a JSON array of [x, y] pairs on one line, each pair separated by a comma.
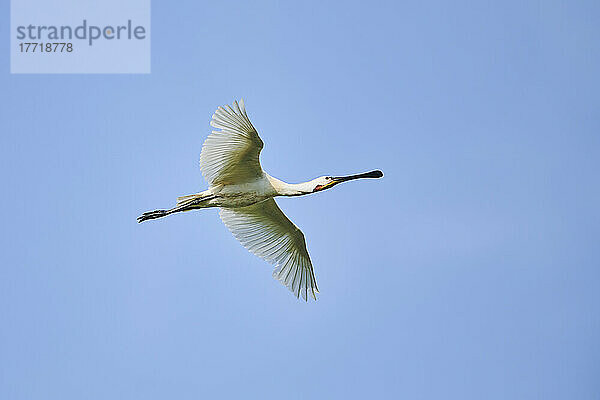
[[373, 174]]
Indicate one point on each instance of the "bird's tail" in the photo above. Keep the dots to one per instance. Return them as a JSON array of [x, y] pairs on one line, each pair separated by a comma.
[[184, 203], [185, 200]]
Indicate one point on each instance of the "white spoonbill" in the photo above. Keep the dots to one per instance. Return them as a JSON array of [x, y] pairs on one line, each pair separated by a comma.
[[244, 193]]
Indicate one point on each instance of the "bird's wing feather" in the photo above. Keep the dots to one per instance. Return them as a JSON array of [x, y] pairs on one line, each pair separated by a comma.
[[231, 154], [264, 230]]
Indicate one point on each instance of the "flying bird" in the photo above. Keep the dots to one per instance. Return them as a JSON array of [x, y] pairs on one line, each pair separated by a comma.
[[245, 194]]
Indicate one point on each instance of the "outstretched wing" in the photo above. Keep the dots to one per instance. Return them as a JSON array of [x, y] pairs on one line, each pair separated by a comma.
[[264, 230], [230, 155]]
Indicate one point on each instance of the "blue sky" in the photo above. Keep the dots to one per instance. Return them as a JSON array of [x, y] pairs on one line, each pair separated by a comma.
[[470, 271]]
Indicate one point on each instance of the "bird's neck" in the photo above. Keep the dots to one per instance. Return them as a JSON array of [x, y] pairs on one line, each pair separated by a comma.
[[291, 189]]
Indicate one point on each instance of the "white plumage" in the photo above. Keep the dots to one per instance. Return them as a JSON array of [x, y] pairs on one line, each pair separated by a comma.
[[264, 230], [244, 192], [231, 155]]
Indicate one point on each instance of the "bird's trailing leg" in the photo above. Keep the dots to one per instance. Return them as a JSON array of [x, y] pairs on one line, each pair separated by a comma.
[[185, 203], [153, 215]]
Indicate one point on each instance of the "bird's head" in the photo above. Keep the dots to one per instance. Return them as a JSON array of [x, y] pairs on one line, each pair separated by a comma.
[[326, 182]]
